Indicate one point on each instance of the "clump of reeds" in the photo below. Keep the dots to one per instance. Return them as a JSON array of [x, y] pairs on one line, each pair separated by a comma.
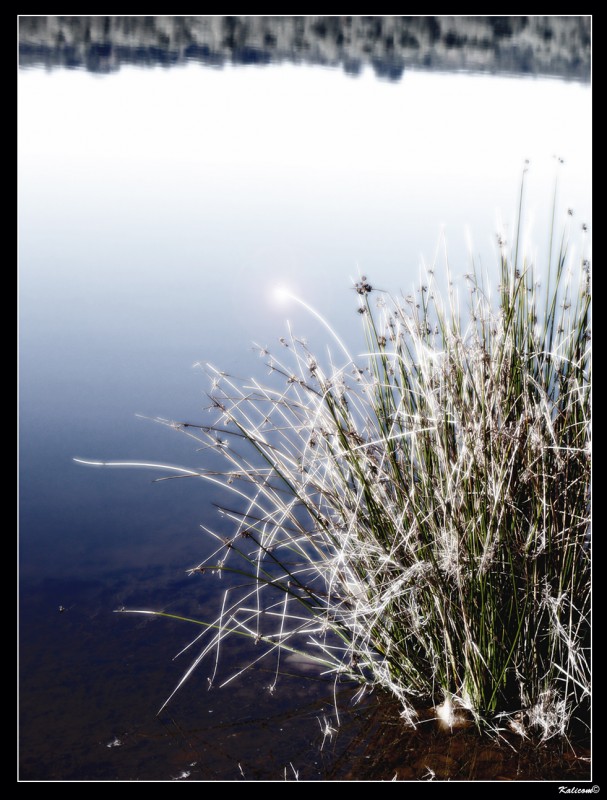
[[417, 517]]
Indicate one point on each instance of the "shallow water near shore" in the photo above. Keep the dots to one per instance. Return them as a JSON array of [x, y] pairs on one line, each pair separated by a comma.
[[159, 207], [244, 731]]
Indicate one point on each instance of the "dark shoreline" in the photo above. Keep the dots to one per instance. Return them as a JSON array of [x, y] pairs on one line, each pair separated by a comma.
[[535, 45]]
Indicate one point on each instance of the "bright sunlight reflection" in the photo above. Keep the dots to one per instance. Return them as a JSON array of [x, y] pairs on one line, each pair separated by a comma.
[[281, 295]]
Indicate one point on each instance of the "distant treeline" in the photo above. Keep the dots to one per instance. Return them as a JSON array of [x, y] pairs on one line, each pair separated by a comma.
[[533, 45]]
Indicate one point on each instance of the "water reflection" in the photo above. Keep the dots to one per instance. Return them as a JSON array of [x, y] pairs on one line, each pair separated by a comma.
[[520, 45]]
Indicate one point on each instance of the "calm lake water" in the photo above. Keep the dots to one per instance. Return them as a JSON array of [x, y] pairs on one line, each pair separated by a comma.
[[158, 209]]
